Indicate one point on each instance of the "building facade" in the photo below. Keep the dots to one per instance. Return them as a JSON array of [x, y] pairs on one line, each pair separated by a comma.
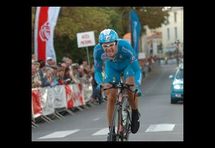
[[151, 41], [172, 33]]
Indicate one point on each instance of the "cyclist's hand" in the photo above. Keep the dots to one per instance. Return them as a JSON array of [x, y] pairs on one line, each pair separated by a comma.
[[106, 86], [139, 91]]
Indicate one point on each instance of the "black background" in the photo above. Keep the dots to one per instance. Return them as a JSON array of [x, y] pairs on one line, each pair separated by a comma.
[[17, 58]]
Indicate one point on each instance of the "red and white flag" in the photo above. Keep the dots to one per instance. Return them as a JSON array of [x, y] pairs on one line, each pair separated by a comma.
[[45, 21]]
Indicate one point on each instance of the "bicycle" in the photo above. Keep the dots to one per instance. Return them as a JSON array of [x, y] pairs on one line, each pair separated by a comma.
[[121, 121]]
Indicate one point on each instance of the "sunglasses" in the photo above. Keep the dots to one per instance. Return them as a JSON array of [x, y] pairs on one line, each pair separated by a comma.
[[105, 46]]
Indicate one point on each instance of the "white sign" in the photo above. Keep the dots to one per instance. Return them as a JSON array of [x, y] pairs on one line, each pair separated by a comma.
[[86, 39], [141, 55]]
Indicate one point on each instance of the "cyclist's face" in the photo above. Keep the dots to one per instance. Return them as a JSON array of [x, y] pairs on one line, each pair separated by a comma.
[[110, 49]]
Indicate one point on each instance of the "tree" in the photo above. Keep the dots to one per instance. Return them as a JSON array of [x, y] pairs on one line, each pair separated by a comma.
[[153, 17], [72, 20]]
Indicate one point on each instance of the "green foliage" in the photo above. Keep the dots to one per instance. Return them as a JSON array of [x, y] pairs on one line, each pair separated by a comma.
[[154, 17], [73, 20]]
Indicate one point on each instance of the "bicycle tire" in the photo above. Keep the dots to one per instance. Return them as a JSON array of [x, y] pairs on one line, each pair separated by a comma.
[[126, 110], [113, 129], [120, 133]]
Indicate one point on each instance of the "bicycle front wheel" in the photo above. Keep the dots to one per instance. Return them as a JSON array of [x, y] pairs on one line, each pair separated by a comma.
[[116, 129], [126, 120]]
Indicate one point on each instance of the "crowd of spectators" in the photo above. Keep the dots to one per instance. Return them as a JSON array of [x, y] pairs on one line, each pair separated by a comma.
[[49, 74]]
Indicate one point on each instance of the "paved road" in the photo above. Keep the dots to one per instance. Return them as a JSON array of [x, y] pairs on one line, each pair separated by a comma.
[[160, 120]]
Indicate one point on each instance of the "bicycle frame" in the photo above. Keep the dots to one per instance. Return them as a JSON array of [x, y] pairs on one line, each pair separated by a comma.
[[121, 114]]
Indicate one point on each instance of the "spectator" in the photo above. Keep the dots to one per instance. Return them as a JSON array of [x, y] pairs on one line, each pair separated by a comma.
[[84, 68], [76, 72], [49, 78], [36, 82], [50, 61], [54, 75], [68, 69], [63, 65], [60, 75], [42, 69], [85, 72]]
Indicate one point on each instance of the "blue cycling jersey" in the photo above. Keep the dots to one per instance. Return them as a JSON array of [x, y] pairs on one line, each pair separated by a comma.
[[125, 62]]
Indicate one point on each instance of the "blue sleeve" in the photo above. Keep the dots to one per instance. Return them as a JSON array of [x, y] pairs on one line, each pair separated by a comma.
[[129, 51], [138, 74], [97, 66]]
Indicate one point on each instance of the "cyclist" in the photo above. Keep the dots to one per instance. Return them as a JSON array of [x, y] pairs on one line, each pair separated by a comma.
[[118, 57]]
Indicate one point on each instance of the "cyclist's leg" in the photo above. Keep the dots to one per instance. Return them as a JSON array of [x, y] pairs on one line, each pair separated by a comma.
[[129, 77], [110, 76]]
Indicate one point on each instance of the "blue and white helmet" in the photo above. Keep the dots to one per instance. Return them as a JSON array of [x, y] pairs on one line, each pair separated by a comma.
[[108, 35]]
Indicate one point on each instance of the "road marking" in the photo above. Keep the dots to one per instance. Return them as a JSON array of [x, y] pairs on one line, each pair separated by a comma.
[[59, 134], [95, 119], [160, 127], [103, 131]]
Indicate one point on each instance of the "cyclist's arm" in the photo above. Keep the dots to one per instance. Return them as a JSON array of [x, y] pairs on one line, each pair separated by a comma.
[[98, 77], [129, 51], [138, 74], [97, 67]]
